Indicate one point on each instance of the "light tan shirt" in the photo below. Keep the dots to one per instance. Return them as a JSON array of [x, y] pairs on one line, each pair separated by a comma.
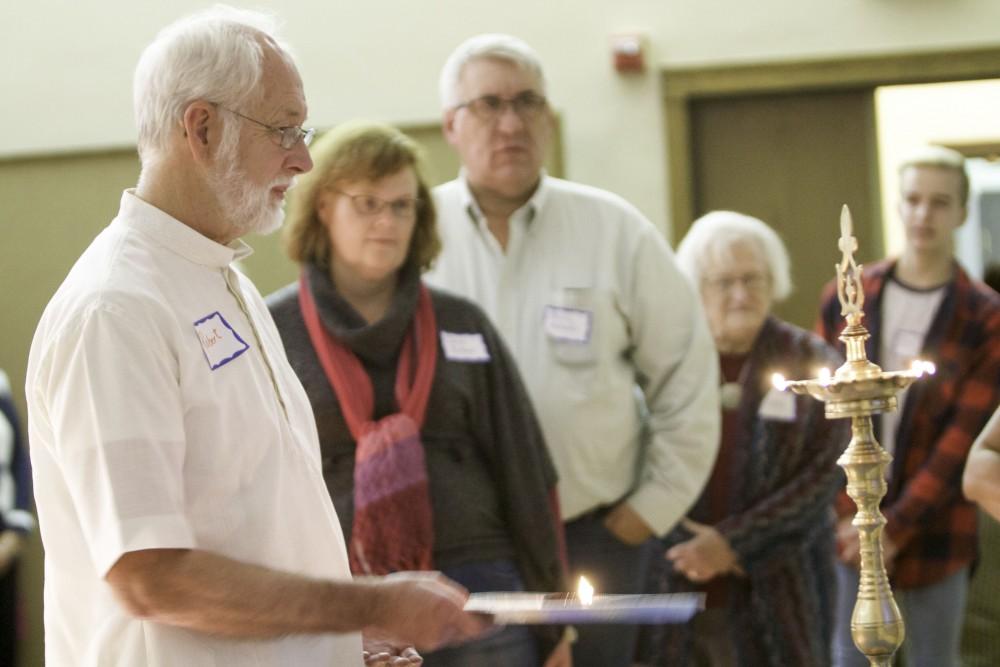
[[590, 300]]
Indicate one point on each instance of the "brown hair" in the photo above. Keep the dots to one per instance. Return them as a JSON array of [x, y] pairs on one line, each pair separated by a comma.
[[355, 151]]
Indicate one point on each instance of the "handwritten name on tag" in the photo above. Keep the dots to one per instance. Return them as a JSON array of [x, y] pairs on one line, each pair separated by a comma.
[[219, 341], [778, 405], [464, 347], [572, 325]]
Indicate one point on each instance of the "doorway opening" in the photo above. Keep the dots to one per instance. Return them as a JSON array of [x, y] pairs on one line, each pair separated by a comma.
[[959, 115]]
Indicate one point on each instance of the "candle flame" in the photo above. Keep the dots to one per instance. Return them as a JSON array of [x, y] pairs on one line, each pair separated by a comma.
[[585, 591], [779, 382]]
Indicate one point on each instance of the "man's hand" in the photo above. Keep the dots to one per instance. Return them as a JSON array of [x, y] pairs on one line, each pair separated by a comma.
[[625, 523], [849, 546], [424, 610], [561, 656], [705, 556], [10, 547], [380, 654], [207, 592], [889, 552], [848, 543]]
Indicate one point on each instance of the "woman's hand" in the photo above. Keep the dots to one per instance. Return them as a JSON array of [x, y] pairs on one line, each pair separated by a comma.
[[705, 556]]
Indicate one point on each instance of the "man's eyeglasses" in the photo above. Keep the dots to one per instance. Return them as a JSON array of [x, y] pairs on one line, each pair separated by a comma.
[[528, 105], [369, 206], [287, 137]]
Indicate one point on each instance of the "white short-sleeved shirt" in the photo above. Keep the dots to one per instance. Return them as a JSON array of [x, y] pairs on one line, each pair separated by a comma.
[[589, 298], [163, 414]]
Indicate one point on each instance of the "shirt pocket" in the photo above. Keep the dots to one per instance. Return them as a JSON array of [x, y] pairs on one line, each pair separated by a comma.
[[576, 323]]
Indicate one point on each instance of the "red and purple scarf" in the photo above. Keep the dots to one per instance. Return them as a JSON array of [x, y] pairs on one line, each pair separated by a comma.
[[393, 525]]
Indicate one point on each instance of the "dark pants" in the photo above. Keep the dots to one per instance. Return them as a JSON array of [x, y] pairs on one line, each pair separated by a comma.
[[513, 646], [713, 643], [8, 617], [612, 567]]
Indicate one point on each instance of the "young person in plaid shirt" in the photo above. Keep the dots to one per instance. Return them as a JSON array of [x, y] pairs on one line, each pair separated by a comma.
[[924, 305]]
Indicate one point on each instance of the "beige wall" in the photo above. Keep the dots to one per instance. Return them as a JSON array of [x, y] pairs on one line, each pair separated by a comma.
[[66, 95], [74, 60], [50, 209]]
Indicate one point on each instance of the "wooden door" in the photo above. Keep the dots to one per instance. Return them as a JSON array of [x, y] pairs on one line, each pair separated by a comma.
[[792, 160]]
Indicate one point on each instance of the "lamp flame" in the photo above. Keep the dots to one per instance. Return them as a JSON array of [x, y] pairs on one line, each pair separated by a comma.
[[825, 376], [779, 381], [585, 592], [922, 367]]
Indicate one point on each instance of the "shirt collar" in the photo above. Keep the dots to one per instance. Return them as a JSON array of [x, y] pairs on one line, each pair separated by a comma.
[[528, 212], [176, 236]]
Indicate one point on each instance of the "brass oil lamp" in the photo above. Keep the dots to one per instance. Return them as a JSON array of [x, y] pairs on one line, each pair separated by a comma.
[[857, 390]]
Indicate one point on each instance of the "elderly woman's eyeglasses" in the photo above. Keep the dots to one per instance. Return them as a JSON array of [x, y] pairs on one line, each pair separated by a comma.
[[752, 282], [287, 137], [528, 105], [369, 206]]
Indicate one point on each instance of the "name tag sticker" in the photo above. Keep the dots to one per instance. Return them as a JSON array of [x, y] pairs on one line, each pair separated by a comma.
[[219, 341], [778, 405], [464, 347], [572, 325]]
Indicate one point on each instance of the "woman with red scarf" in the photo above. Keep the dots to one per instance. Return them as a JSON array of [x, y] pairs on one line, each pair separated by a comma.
[[430, 448]]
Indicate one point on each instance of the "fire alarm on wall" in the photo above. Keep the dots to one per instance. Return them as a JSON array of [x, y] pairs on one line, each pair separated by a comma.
[[628, 52]]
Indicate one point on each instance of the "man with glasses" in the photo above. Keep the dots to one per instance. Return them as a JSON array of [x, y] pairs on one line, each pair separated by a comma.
[[586, 293], [178, 478]]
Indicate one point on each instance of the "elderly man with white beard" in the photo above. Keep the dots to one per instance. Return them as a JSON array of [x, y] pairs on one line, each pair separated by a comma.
[[178, 479]]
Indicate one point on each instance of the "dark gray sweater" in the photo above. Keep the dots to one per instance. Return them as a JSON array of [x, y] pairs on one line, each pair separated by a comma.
[[488, 468]]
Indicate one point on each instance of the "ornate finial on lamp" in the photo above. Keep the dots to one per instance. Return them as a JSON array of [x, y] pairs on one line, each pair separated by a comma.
[[849, 290]]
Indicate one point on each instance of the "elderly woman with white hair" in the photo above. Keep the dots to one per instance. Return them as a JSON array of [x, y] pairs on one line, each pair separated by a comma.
[[759, 541]]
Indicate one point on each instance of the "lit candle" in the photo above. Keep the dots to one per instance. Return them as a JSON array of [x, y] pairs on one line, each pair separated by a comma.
[[585, 592], [779, 382]]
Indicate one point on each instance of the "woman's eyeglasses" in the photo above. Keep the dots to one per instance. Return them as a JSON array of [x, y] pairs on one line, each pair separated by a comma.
[[369, 206]]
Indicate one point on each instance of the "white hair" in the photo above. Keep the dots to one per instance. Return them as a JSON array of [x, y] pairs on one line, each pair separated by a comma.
[[713, 236], [215, 55], [490, 45]]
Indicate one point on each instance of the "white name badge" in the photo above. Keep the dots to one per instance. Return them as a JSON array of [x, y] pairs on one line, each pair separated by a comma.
[[778, 405], [572, 325], [464, 347], [219, 341]]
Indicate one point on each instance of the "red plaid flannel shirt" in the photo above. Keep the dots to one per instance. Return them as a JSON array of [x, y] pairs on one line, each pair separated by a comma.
[[929, 520]]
